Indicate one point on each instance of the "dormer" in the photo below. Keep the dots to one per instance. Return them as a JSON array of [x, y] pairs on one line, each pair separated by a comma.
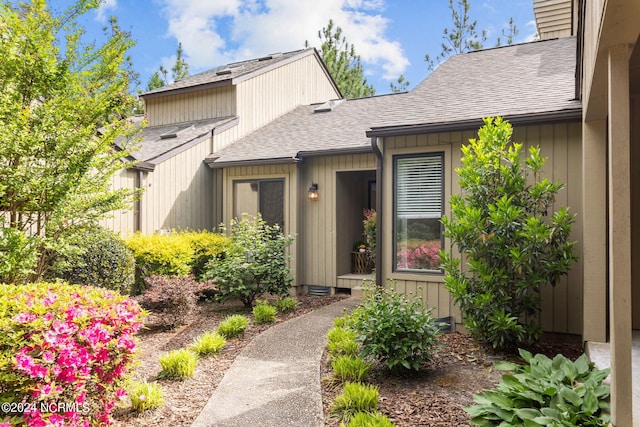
[[555, 18]]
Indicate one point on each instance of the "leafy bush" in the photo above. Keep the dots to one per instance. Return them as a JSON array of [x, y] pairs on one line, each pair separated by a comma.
[[171, 299], [342, 342], [263, 312], [352, 369], [545, 392], [207, 248], [286, 305], [259, 263], [370, 226], [502, 228], [65, 343], [233, 326], [105, 261], [395, 330], [178, 364], [366, 419], [355, 397], [145, 396], [209, 343]]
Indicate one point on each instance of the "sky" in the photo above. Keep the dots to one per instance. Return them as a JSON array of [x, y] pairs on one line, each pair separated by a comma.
[[391, 36]]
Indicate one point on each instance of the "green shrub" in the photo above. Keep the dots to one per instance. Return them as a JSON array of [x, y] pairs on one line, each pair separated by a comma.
[[178, 364], [170, 299], [352, 369], [344, 321], [512, 241], [209, 343], [366, 419], [145, 396], [286, 305], [207, 248], [104, 261], [355, 397], [233, 326], [68, 343], [258, 264], [395, 330], [545, 392], [342, 342], [263, 312]]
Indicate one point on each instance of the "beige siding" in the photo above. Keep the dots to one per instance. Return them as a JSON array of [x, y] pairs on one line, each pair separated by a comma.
[[325, 230], [122, 221], [553, 18], [177, 194], [269, 95], [191, 106], [561, 144]]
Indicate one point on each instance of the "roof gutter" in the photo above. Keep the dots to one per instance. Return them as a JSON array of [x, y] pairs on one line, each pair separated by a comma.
[[212, 162], [516, 119], [379, 234]]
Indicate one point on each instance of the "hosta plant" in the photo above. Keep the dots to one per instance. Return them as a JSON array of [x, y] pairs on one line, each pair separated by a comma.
[[544, 393]]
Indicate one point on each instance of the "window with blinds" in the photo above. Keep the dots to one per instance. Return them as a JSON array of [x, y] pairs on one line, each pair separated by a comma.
[[418, 207]]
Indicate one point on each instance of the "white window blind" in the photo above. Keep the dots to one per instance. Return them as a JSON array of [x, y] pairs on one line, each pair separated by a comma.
[[419, 187]]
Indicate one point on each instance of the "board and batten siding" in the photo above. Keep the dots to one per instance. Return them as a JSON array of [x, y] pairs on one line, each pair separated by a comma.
[[321, 243], [177, 194], [191, 106], [561, 144], [122, 221]]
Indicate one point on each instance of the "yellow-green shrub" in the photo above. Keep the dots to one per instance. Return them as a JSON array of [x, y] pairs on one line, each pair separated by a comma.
[[206, 247]]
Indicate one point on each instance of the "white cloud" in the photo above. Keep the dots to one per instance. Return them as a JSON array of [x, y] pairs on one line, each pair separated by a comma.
[[217, 32], [103, 10]]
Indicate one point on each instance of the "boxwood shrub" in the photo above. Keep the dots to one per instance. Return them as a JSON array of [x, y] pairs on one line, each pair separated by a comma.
[[64, 343]]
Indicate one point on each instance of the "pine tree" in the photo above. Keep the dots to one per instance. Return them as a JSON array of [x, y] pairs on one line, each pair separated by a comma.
[[400, 85], [343, 63], [179, 71]]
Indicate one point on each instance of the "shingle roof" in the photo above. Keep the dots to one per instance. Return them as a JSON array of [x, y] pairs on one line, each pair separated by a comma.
[[518, 80], [159, 142], [230, 72], [305, 132]]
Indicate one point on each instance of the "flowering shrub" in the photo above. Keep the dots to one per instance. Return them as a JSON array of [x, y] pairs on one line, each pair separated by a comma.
[[419, 254], [64, 353]]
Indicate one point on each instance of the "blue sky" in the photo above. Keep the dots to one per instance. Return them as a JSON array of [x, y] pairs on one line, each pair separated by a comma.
[[391, 36]]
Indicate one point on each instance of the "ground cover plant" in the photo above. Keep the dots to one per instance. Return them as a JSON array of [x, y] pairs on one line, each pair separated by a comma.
[[145, 395], [545, 392], [65, 343], [178, 364], [233, 326], [264, 312], [208, 344], [512, 241], [356, 397]]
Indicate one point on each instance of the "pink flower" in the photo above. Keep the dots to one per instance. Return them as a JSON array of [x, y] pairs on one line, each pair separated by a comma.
[[49, 300], [64, 328], [126, 343], [48, 356], [24, 317], [5, 423], [120, 393]]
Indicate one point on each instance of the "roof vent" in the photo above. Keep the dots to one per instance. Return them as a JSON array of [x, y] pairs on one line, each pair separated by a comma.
[[268, 57], [223, 72], [168, 135], [328, 106]]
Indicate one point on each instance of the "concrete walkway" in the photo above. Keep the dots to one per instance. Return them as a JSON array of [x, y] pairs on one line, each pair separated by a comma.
[[275, 381]]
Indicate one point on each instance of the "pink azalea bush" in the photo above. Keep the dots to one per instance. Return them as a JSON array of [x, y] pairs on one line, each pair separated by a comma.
[[64, 353], [419, 254]]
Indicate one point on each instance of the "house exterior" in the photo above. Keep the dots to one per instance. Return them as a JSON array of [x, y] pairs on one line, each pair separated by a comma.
[[200, 115]]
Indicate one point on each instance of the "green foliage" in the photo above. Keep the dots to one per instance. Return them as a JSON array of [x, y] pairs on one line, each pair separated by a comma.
[[355, 397], [353, 369], [103, 260], [144, 395], [209, 343], [264, 312], [366, 419], [286, 304], [509, 33], [502, 226], [370, 225], [343, 63], [178, 364], [342, 342], [176, 254], [395, 330], [545, 392], [400, 85], [179, 71], [170, 299], [461, 37], [233, 326], [62, 101], [258, 264]]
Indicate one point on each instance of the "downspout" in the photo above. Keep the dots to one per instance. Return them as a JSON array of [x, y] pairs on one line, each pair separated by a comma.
[[379, 187], [138, 202]]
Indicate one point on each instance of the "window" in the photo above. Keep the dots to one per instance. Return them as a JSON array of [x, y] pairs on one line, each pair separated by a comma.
[[418, 205], [264, 196]]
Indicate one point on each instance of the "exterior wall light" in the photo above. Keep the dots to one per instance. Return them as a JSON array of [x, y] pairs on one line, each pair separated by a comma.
[[313, 192]]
